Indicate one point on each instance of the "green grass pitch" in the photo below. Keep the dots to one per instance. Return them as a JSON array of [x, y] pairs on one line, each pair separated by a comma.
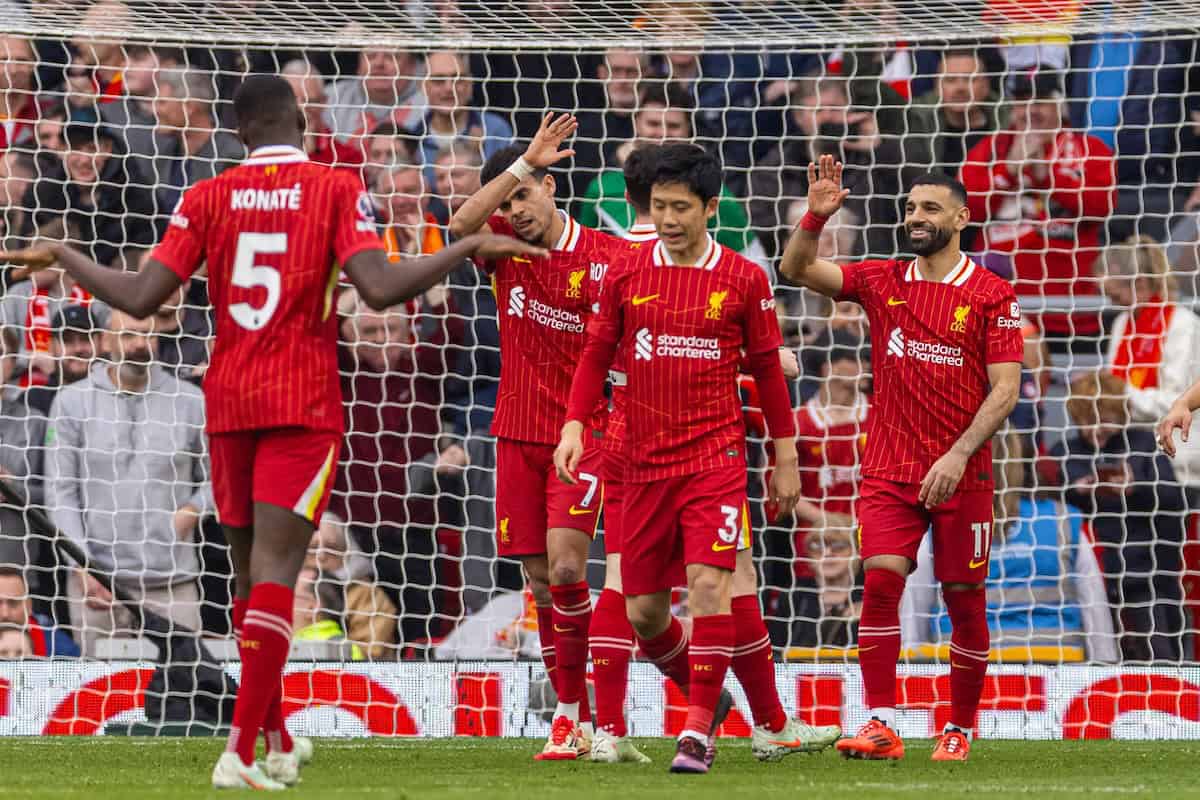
[[129, 769]]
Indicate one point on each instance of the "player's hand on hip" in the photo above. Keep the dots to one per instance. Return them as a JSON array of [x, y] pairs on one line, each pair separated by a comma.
[[785, 488], [825, 192], [942, 479], [569, 452], [1178, 418], [493, 247], [543, 149], [29, 260]]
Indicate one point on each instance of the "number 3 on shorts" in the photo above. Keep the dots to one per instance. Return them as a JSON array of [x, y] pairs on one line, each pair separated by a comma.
[[729, 531]]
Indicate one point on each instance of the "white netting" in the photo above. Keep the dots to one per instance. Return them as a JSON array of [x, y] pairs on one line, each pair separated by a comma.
[[1091, 546]]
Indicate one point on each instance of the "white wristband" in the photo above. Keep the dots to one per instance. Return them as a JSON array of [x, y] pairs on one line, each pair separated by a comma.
[[520, 169]]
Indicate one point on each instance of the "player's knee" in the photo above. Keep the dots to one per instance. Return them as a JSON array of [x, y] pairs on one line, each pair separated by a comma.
[[647, 616], [709, 591], [961, 587], [567, 572]]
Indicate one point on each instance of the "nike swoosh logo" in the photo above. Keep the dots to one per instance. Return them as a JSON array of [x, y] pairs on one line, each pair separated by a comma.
[[638, 301], [560, 629], [792, 743], [894, 302], [579, 512], [721, 548], [976, 564]]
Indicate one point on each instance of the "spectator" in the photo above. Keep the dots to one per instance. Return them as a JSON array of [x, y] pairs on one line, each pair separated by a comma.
[[456, 177], [183, 330], [385, 147], [321, 145], [1152, 346], [16, 609], [22, 433], [188, 147], [316, 611], [960, 110], [602, 130], [387, 87], [369, 616], [18, 169], [1042, 191], [663, 115], [1135, 93], [451, 118], [132, 114], [96, 74], [1044, 587], [824, 122], [50, 140], [15, 644], [98, 199], [127, 481], [392, 375], [73, 348], [1114, 474], [408, 229], [18, 98], [824, 609]]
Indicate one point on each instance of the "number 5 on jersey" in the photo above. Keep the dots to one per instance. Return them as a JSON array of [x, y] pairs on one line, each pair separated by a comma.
[[248, 275]]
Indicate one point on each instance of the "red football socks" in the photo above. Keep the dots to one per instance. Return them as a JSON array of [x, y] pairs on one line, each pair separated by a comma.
[[611, 640], [879, 636], [266, 638], [275, 732], [669, 652], [572, 616], [754, 664], [545, 622], [969, 645], [708, 657]]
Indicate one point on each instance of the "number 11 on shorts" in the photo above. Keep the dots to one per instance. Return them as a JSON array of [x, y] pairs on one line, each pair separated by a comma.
[[983, 543]]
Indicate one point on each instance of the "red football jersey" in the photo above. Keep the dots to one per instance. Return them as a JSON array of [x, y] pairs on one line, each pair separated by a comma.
[[273, 231], [931, 343], [830, 456], [544, 305], [683, 330]]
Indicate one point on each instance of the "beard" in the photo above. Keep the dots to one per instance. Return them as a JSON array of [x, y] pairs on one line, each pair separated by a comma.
[[936, 241]]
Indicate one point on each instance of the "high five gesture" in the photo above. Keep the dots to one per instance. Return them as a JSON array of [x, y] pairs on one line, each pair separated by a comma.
[[825, 197]]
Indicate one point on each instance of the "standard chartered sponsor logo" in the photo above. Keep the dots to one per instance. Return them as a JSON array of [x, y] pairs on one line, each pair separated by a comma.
[[537, 311], [516, 302], [928, 352], [643, 347], [665, 345]]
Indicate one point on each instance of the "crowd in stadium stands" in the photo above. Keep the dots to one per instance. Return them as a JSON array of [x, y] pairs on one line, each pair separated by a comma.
[[1081, 158]]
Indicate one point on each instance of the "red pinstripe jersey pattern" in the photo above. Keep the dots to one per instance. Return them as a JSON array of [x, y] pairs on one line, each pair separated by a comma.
[[931, 343], [544, 305], [272, 231], [682, 331]]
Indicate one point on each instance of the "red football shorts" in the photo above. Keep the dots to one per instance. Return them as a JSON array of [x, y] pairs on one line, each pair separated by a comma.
[[292, 468], [531, 500], [893, 521], [694, 519]]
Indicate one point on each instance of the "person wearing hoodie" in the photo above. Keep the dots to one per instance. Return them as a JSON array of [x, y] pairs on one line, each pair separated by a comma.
[[127, 479]]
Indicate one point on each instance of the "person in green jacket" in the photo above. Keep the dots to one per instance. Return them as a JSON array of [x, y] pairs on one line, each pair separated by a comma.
[[664, 114]]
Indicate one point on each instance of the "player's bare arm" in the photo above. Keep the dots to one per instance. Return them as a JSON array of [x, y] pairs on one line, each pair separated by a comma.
[[800, 263], [543, 152], [139, 294], [785, 480], [383, 284], [943, 477], [1178, 418]]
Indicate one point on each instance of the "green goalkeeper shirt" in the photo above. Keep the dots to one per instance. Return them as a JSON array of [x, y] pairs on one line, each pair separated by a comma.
[[604, 207]]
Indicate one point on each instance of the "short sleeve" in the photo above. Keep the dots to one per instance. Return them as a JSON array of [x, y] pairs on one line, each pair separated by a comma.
[[853, 282], [761, 323], [605, 324], [1004, 341], [182, 248], [499, 226], [354, 221]]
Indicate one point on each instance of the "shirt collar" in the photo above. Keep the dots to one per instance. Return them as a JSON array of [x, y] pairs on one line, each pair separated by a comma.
[[276, 154], [641, 232], [712, 254], [570, 235], [963, 270]]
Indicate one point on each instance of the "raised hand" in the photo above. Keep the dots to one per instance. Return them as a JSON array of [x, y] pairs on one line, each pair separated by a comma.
[[543, 150], [29, 261], [493, 247], [825, 192]]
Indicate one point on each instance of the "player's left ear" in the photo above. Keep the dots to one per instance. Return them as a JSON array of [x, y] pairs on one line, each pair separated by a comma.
[[710, 208]]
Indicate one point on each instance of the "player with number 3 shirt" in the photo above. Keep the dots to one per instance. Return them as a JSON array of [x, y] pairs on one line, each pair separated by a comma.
[[947, 349]]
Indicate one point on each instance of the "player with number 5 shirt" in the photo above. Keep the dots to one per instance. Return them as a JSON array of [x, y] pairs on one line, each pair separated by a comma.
[[947, 349]]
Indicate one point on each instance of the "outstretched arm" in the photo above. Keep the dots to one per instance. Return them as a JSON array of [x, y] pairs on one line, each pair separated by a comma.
[[800, 263], [542, 152], [137, 293], [383, 283]]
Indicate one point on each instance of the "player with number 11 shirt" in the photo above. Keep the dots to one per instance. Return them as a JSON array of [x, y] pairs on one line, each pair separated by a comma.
[[947, 349], [276, 233]]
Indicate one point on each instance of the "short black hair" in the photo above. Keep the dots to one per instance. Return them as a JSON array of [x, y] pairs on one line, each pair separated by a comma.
[[668, 95], [939, 179], [503, 159], [265, 103], [639, 175], [13, 571], [690, 165]]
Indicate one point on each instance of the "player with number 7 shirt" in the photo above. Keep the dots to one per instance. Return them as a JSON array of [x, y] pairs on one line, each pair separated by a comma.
[[276, 232], [947, 338]]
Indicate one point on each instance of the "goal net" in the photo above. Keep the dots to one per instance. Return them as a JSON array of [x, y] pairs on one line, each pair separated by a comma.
[[1074, 126]]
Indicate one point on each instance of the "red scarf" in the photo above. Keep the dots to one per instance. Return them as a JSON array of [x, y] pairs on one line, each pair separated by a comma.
[[19, 128], [37, 326], [1141, 350]]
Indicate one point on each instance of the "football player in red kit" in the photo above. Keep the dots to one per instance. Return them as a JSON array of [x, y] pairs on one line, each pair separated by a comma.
[[276, 232], [947, 350]]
